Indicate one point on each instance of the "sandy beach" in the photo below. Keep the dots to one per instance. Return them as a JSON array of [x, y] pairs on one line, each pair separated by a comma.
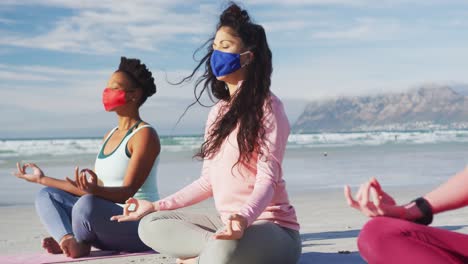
[[328, 227]]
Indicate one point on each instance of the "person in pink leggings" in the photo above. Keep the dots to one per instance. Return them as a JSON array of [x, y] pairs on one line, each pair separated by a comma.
[[401, 233]]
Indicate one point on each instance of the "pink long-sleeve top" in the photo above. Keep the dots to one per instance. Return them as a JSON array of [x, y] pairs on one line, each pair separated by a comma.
[[256, 190]]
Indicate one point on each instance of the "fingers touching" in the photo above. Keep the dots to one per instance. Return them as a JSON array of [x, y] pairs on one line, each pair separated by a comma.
[[20, 168], [367, 199], [129, 211], [234, 228], [349, 197]]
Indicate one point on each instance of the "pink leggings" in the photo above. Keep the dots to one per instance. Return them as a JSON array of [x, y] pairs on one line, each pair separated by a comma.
[[388, 240]]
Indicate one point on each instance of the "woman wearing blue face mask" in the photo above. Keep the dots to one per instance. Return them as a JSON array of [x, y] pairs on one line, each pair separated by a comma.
[[245, 139], [76, 212]]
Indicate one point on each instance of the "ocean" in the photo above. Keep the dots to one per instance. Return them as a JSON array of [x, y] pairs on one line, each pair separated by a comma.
[[313, 162]]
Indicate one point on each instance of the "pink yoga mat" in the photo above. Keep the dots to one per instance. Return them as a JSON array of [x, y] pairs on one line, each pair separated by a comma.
[[36, 258]]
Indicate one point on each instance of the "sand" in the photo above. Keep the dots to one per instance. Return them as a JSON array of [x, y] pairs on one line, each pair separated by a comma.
[[328, 227]]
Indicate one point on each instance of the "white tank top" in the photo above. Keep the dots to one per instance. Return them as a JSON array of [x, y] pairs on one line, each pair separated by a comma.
[[112, 168]]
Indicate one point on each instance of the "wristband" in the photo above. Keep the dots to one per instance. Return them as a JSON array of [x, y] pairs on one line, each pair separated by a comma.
[[426, 210]]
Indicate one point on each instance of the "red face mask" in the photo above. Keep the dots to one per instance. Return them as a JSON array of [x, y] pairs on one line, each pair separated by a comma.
[[112, 98]]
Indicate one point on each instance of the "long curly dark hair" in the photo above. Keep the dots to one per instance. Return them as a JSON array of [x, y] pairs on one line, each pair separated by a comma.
[[246, 109]]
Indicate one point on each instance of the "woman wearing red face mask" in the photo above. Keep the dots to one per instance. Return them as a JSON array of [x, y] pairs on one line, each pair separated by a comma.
[[76, 212]]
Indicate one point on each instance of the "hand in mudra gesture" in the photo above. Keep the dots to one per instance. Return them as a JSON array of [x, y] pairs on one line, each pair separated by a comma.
[[34, 177], [134, 210], [235, 228], [373, 201]]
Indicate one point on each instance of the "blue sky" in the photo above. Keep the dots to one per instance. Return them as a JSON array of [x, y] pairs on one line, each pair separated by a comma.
[[56, 55]]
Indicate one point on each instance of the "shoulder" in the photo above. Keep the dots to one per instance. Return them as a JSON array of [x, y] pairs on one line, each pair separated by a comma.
[[217, 107], [215, 111], [274, 118], [275, 102], [145, 133], [274, 107], [108, 133]]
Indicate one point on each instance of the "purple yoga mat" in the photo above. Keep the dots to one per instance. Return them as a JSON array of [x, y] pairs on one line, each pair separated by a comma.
[[36, 258]]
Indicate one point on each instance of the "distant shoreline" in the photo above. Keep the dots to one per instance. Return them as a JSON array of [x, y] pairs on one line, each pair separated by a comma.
[[85, 137], [298, 132], [200, 135]]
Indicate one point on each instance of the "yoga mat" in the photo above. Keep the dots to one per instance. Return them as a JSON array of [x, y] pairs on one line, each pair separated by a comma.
[[44, 257]]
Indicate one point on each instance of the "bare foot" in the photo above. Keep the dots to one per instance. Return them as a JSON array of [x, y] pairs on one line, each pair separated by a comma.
[[72, 248], [187, 260], [51, 246]]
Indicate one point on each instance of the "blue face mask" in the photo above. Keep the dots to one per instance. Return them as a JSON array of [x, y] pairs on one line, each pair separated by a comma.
[[224, 63]]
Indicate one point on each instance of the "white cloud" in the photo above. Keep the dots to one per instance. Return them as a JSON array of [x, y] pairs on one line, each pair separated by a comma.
[[354, 3], [459, 22], [52, 70], [87, 4], [7, 21], [47, 75], [309, 2], [364, 29], [15, 76], [106, 27], [109, 26], [68, 101], [46, 89], [288, 25], [370, 71]]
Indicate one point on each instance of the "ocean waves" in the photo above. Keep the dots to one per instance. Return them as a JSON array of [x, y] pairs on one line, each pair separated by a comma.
[[48, 147], [21, 148], [376, 138]]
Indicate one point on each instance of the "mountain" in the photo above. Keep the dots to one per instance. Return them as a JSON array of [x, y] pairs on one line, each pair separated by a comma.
[[430, 107], [460, 88]]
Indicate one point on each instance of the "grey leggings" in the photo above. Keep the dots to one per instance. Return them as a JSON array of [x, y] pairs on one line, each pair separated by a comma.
[[185, 235]]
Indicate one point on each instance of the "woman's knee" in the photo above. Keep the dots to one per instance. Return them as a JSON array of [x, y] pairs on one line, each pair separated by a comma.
[[376, 233], [168, 231], [86, 208], [221, 252], [373, 229], [45, 194], [155, 227]]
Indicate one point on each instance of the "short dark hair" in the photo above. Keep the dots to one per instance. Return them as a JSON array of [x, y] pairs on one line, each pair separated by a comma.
[[139, 76]]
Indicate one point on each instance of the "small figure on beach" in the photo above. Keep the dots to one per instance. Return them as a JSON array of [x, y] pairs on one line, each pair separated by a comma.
[[401, 233], [76, 212], [245, 139]]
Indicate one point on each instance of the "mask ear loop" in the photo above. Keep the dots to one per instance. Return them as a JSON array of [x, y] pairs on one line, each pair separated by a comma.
[[248, 62]]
